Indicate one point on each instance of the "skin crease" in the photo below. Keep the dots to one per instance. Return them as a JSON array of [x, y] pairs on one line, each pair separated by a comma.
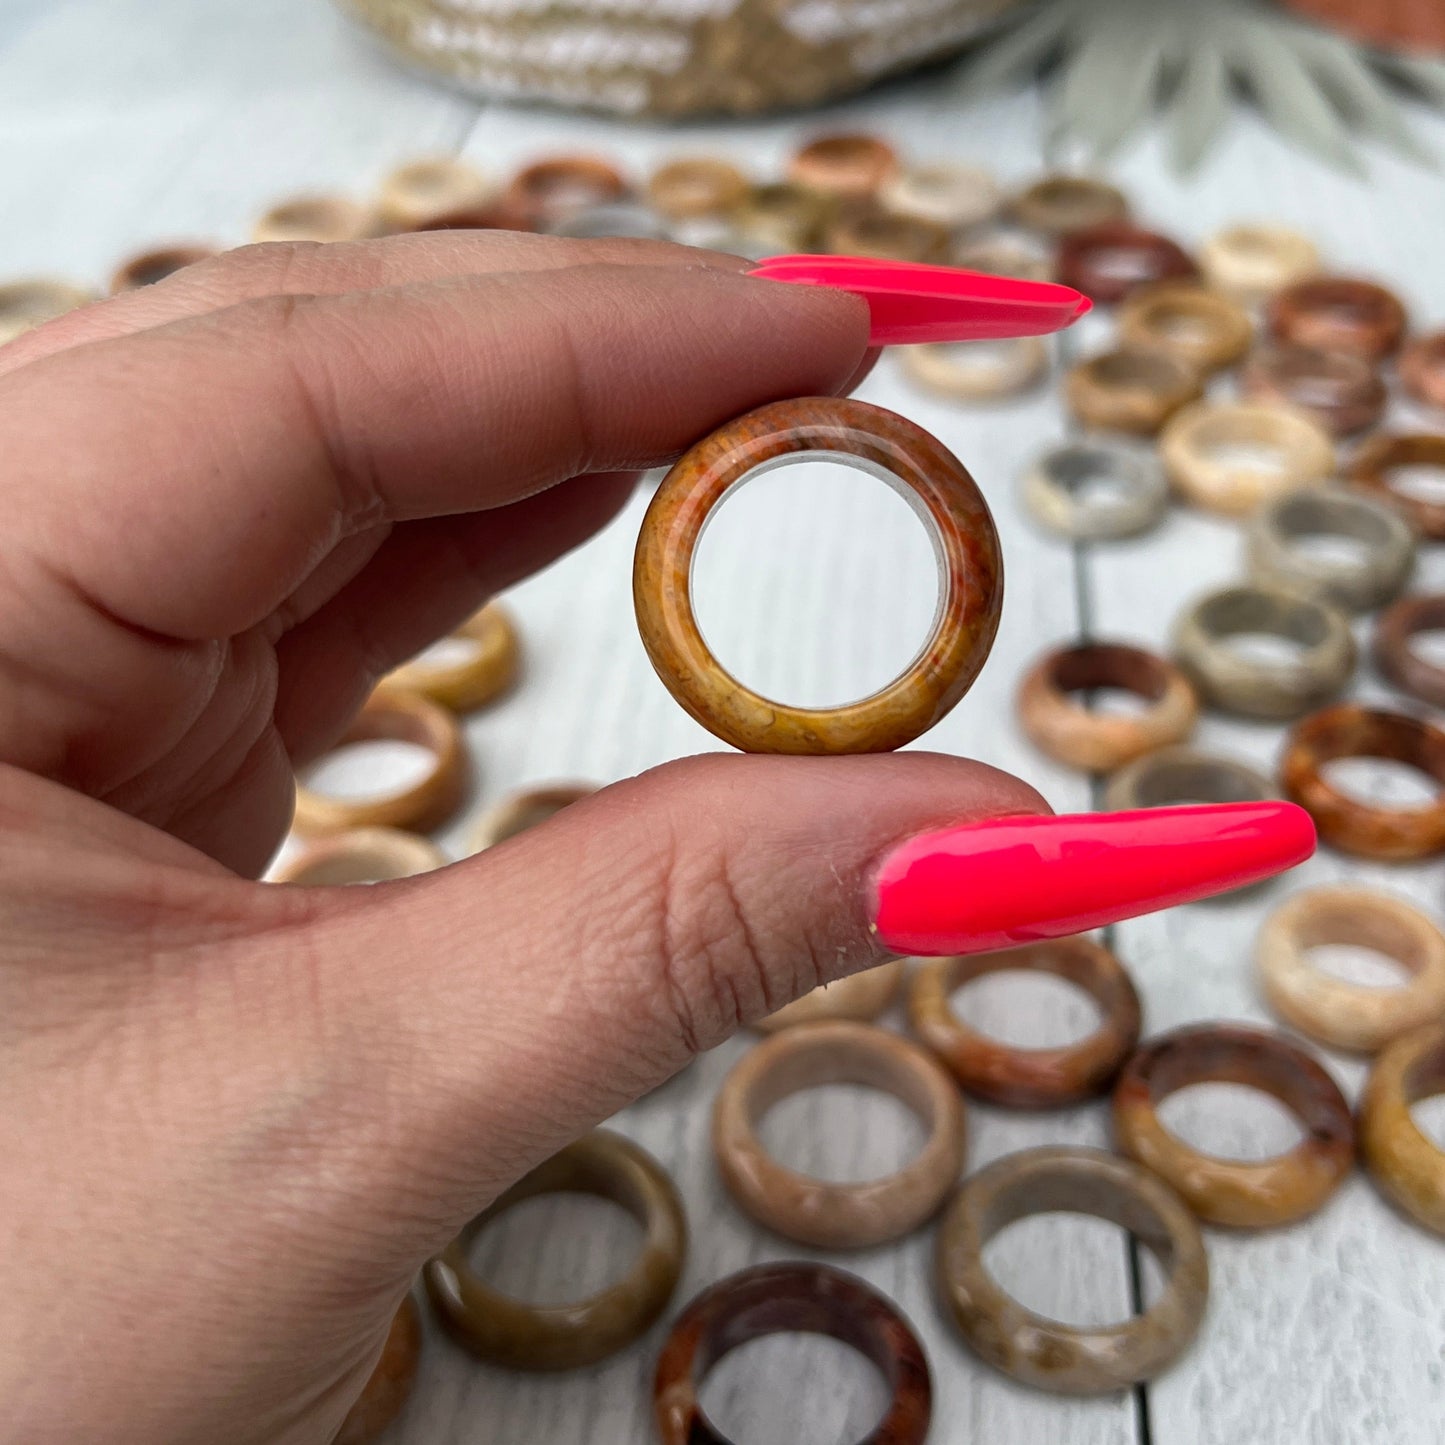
[[235, 1118]]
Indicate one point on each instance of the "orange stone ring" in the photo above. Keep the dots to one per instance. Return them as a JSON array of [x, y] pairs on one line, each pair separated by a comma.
[[917, 466]]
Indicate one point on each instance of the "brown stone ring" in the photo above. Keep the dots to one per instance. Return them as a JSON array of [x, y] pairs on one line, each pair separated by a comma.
[[846, 166], [1183, 319], [1129, 391], [771, 1299], [1422, 368], [1337, 313], [551, 189], [1348, 730], [1246, 1195], [860, 997], [820, 1212], [1348, 1015], [397, 715], [1407, 1165], [496, 1327], [866, 229], [152, 266], [1043, 1352], [1343, 392], [1108, 261], [1058, 204], [1022, 1078], [389, 1386], [1395, 654], [1380, 455], [875, 441], [1059, 725]]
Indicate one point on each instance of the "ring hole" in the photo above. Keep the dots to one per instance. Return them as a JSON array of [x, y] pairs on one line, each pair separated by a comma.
[[556, 1248], [1331, 549], [815, 627], [1381, 782], [1418, 480], [370, 768], [842, 1133], [752, 1394], [1247, 455], [1355, 964], [1429, 1117], [1429, 646], [1028, 1010], [1230, 1121], [1047, 1263], [1266, 649], [1092, 480]]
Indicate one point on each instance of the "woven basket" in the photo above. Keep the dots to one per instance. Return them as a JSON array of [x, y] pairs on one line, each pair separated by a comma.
[[1399, 24], [672, 57]]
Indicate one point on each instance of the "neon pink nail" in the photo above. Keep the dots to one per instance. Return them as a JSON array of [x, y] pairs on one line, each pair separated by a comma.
[[1012, 880], [910, 302]]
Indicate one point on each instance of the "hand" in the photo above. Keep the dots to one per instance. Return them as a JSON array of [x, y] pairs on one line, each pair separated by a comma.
[[234, 1119]]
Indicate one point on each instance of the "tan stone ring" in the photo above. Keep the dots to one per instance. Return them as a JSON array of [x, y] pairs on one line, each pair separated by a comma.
[[1405, 1162], [1025, 1078], [1246, 1195], [819, 1212], [887, 446], [1042, 1351], [496, 1327], [771, 1299]]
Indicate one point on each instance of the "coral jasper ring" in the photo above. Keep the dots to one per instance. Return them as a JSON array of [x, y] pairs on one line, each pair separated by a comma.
[[921, 469]]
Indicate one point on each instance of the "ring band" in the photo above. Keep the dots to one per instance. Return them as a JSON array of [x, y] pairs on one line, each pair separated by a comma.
[[791, 1298], [25, 305], [393, 714], [1422, 369], [1252, 262], [1264, 687], [884, 445], [859, 998], [1134, 498], [1029, 1078], [150, 267], [952, 196], [1395, 655], [1346, 1015], [389, 1385], [1110, 261], [697, 188], [1182, 775], [1407, 1165], [1245, 1195], [1344, 393], [1129, 391], [1366, 578], [817, 1211], [1097, 742], [977, 370], [1350, 731], [556, 187], [867, 230], [1380, 455], [1193, 442], [1200, 327], [490, 668], [361, 855], [1041, 1351], [315, 218], [1058, 204], [520, 811], [1000, 249], [421, 190], [1337, 313], [496, 1327], [850, 167]]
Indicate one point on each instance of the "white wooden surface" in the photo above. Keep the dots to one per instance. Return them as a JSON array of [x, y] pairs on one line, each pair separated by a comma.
[[128, 121]]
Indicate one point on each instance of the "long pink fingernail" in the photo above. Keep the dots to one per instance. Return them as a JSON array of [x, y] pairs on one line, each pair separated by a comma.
[[1012, 880]]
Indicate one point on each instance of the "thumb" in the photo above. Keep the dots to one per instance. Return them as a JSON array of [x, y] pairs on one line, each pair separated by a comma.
[[514, 1000]]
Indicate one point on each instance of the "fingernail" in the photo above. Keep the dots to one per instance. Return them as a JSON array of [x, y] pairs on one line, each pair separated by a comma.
[[1012, 880]]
